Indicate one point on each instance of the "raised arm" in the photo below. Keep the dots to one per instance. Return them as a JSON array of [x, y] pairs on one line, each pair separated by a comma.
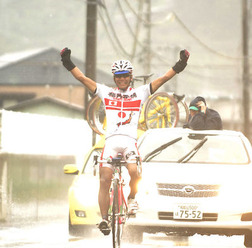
[[177, 68], [76, 72]]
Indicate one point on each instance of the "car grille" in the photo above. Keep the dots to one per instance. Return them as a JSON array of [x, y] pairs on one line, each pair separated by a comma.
[[188, 190], [206, 216]]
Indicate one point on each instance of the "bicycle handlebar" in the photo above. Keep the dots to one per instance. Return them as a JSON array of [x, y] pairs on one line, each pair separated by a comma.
[[117, 162], [113, 161]]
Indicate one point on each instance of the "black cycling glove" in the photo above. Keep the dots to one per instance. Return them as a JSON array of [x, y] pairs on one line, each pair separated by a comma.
[[181, 64], [65, 58]]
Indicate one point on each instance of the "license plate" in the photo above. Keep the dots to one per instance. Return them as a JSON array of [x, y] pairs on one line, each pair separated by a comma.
[[187, 212]]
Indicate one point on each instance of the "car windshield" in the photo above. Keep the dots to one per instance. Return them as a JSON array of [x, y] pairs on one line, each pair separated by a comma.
[[217, 149]]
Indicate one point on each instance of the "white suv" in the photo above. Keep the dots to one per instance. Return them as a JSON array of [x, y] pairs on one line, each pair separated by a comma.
[[194, 182]]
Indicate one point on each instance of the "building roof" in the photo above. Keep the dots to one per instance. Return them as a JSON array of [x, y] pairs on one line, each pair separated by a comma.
[[12, 58], [41, 66], [47, 105], [44, 99]]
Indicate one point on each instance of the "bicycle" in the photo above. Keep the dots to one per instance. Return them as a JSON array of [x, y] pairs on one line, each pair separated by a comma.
[[118, 209]]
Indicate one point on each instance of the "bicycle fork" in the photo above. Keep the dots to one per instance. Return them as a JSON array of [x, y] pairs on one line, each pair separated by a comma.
[[121, 200]]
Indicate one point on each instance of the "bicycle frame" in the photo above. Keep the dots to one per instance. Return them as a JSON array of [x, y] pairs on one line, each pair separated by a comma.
[[117, 181]]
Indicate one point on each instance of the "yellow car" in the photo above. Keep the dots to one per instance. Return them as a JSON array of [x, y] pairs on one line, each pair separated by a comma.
[[84, 212]]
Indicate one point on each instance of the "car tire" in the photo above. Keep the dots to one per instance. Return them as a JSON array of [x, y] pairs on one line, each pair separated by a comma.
[[248, 240]]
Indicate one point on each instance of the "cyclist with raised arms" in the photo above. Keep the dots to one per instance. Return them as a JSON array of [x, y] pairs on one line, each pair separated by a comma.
[[123, 106]]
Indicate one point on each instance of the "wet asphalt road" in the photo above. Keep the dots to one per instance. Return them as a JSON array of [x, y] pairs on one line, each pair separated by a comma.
[[54, 234]]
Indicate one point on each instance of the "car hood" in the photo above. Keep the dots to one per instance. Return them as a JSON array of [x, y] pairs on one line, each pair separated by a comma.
[[196, 173]]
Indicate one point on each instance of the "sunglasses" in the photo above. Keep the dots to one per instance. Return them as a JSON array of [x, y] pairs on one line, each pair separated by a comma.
[[122, 75]]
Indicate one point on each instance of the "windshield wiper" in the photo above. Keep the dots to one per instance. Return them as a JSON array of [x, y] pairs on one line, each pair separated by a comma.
[[154, 153], [190, 154]]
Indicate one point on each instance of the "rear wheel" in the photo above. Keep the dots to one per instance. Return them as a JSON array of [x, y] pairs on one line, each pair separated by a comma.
[[116, 220]]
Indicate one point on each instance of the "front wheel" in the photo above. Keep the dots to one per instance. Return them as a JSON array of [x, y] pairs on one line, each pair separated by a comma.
[[116, 219], [161, 111]]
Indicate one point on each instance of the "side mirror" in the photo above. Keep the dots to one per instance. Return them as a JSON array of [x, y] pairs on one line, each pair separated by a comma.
[[71, 169]]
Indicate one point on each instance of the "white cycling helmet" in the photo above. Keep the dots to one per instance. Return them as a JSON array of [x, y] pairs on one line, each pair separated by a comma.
[[121, 67]]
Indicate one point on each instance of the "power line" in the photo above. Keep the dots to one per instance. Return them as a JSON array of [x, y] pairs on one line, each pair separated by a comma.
[[122, 50], [124, 17], [134, 47], [203, 44], [109, 36], [172, 16], [136, 34], [114, 33], [136, 14]]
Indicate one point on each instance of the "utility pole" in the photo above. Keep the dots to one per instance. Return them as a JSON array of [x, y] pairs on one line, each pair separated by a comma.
[[147, 47], [245, 76], [91, 30]]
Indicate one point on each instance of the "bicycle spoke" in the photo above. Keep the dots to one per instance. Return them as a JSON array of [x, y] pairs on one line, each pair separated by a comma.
[[161, 111]]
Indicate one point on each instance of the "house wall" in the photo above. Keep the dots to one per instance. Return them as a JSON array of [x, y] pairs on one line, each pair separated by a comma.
[[70, 94], [32, 182], [47, 108]]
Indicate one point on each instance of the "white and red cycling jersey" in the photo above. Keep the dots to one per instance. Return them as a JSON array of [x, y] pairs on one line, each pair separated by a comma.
[[123, 108]]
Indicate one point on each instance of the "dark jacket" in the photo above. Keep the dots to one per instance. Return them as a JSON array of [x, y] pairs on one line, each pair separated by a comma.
[[211, 120]]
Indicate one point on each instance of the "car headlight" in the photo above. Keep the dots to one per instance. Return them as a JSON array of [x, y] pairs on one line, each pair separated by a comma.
[[236, 196], [87, 196], [146, 187]]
